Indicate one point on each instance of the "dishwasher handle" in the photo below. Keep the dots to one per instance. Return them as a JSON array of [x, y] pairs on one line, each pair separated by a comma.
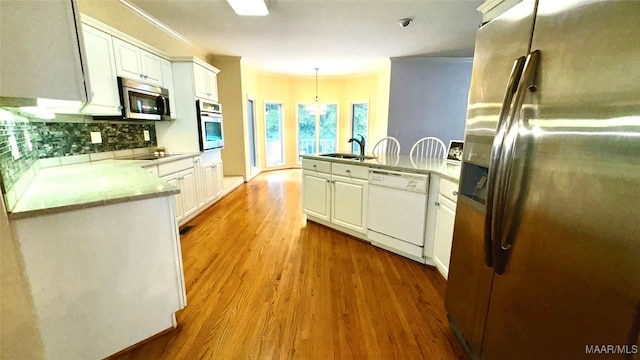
[[383, 173]]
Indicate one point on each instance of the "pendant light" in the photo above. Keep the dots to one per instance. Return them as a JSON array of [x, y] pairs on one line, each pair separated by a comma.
[[317, 107]]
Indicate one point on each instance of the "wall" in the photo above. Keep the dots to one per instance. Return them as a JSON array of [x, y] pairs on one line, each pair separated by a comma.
[[428, 97], [250, 91], [292, 91], [19, 332], [374, 89], [274, 88], [231, 97], [116, 15]]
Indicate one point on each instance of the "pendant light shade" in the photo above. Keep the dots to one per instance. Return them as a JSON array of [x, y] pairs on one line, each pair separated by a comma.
[[316, 107]]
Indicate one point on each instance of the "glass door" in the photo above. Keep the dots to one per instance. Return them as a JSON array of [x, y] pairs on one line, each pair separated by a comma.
[[252, 139], [306, 131], [317, 133], [274, 135]]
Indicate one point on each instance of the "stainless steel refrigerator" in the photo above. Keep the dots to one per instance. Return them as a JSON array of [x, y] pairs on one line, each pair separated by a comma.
[[545, 260]]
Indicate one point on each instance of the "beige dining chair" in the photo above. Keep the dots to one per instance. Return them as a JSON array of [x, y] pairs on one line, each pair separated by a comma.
[[386, 146], [430, 147]]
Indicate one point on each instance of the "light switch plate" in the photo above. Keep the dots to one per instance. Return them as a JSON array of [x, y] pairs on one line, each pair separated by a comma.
[[96, 137], [147, 137], [15, 152]]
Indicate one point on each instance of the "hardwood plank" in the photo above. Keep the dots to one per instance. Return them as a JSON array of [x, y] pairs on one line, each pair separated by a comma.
[[262, 283]]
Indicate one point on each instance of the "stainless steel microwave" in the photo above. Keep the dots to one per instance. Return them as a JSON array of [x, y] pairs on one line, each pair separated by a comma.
[[141, 101], [210, 125]]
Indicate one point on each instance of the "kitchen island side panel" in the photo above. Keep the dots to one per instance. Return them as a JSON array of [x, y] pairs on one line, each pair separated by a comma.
[[103, 278]]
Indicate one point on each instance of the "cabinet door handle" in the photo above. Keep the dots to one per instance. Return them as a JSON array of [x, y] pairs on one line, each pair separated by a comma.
[[348, 171], [315, 166], [455, 193], [142, 76], [436, 203]]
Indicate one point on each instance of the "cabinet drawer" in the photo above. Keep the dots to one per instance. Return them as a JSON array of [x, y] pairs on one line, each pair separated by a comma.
[[445, 201], [174, 166], [354, 171], [449, 189], [315, 165]]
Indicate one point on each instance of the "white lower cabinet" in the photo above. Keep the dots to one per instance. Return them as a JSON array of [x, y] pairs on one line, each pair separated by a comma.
[[105, 98], [187, 199], [317, 194], [200, 184], [349, 203], [210, 185], [336, 194], [443, 235]]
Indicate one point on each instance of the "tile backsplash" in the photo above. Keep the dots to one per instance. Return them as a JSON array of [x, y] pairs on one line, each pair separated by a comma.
[[12, 169], [41, 139]]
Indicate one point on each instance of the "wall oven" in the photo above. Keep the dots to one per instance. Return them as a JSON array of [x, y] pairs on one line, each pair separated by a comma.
[[209, 125], [142, 101]]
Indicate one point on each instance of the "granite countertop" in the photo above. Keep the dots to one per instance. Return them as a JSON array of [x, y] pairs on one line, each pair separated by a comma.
[[98, 183], [141, 161], [402, 163]]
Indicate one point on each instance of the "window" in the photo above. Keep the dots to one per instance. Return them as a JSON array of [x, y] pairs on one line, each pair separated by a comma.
[[359, 122], [317, 133], [275, 139]]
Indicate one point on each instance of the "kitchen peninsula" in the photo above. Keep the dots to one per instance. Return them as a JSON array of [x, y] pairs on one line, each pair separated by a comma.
[[399, 203], [101, 250]]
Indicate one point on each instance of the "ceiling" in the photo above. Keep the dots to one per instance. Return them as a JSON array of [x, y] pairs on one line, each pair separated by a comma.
[[341, 37]]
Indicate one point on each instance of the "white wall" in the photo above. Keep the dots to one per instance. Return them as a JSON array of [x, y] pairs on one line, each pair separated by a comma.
[[428, 97]]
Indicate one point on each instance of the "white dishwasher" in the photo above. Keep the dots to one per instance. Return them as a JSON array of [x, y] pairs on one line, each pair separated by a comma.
[[398, 212]]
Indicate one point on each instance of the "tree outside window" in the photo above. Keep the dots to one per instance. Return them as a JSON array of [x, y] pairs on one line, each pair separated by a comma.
[[359, 122], [275, 138]]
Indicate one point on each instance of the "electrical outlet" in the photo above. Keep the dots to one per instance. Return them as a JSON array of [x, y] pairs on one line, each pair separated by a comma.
[[147, 137], [96, 137], [15, 152]]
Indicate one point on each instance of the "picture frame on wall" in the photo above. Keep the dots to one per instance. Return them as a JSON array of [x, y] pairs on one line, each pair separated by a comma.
[[454, 152]]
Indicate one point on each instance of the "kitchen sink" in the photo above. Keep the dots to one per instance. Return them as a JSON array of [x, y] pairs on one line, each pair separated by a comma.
[[347, 156]]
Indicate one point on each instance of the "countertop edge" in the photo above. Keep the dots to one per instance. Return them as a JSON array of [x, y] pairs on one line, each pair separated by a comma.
[[371, 164], [86, 205]]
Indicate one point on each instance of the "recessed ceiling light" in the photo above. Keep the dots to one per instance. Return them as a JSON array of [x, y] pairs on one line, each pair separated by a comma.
[[249, 7]]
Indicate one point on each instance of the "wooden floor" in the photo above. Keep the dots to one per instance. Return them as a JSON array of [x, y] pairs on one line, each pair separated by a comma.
[[262, 283]]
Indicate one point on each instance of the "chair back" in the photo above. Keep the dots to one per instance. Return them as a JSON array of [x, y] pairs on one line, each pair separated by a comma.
[[430, 147], [386, 146]]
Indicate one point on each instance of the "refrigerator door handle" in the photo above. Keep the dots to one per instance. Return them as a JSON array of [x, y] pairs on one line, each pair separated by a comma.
[[496, 152], [502, 247]]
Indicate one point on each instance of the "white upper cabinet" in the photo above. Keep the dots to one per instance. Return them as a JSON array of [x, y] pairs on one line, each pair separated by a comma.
[[135, 63], [205, 82], [42, 52], [491, 9], [105, 98], [151, 67], [167, 83]]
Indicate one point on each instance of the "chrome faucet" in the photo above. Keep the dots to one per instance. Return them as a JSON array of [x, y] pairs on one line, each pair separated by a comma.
[[360, 142]]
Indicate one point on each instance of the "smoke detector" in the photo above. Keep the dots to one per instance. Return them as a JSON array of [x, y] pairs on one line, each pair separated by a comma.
[[405, 22]]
